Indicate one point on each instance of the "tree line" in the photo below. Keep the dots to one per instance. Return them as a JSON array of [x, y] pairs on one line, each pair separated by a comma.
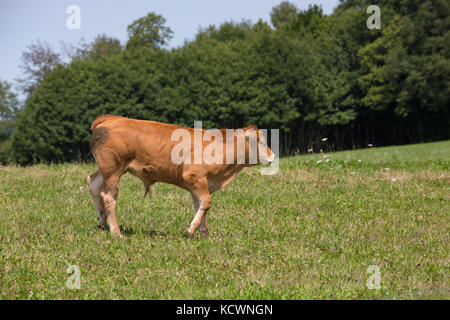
[[308, 74]]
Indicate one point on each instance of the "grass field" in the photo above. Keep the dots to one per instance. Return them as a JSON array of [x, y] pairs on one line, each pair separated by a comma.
[[309, 232]]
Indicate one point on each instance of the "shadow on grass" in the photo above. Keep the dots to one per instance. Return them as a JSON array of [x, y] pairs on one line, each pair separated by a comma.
[[127, 230]]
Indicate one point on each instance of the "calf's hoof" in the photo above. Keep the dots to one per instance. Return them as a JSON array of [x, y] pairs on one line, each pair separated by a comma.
[[204, 233], [115, 232], [189, 233]]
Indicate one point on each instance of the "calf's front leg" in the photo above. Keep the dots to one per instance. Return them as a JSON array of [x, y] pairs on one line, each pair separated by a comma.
[[203, 226], [202, 203]]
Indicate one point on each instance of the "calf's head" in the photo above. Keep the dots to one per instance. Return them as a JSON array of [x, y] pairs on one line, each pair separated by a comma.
[[256, 145]]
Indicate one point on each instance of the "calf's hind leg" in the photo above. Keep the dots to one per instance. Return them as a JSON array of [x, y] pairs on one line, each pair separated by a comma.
[[109, 193], [95, 182]]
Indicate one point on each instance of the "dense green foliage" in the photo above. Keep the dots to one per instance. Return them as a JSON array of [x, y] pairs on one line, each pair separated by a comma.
[[148, 31], [312, 76], [8, 108]]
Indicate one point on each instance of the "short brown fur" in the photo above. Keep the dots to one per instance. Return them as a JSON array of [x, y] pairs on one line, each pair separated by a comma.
[[99, 136]]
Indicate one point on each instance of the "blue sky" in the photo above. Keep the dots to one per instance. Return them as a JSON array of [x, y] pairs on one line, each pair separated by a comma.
[[24, 21]]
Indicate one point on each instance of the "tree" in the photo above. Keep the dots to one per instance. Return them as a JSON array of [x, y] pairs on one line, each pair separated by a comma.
[[9, 106], [284, 13], [38, 60], [101, 46], [149, 31], [104, 46], [405, 72], [9, 103], [307, 21], [227, 31]]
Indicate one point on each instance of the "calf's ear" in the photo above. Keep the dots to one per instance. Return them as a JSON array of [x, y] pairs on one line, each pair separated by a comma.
[[253, 126], [252, 131]]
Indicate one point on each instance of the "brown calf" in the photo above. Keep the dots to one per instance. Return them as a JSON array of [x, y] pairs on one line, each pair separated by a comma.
[[145, 149]]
